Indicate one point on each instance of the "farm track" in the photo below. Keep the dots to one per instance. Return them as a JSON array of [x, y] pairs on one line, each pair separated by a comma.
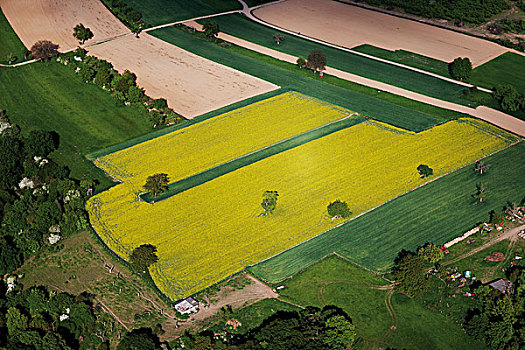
[[510, 234], [490, 115]]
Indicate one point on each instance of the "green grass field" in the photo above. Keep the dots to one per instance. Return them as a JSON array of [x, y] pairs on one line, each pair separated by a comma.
[[389, 108], [158, 12], [239, 26], [337, 282], [50, 96], [406, 57], [436, 212], [505, 69], [9, 42]]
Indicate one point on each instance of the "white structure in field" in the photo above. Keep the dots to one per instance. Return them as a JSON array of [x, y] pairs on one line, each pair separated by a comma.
[[187, 306]]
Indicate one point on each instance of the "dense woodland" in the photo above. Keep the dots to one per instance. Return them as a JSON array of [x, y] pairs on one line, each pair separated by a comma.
[[472, 11]]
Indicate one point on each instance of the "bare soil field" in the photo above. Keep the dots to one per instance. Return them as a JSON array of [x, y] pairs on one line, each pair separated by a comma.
[[191, 84], [54, 20], [351, 26]]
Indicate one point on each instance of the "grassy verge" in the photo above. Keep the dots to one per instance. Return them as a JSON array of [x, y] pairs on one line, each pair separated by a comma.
[[408, 58], [10, 44], [436, 212], [237, 25], [389, 108], [505, 69], [158, 12], [50, 96], [337, 282]]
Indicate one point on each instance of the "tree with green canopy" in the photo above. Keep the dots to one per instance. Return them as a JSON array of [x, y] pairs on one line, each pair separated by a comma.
[[143, 257], [82, 33], [157, 183], [269, 201]]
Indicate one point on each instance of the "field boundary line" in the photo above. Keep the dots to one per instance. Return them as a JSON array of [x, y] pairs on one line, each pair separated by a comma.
[[288, 139], [383, 203], [248, 13]]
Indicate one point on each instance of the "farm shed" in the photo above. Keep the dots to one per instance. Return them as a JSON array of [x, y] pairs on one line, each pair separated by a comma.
[[187, 305], [501, 285]]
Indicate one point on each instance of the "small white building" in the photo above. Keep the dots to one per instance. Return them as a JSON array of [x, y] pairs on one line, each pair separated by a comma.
[[187, 306]]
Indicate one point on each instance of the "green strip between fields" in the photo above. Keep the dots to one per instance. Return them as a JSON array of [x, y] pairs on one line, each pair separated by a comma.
[[250, 158]]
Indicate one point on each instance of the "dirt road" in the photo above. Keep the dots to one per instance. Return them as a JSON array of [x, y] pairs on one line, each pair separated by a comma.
[[511, 234]]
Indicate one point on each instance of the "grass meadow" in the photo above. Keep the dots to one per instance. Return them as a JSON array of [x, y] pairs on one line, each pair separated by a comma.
[[435, 213], [9, 42], [382, 106], [505, 69], [158, 12], [239, 26], [334, 281], [50, 96], [218, 223]]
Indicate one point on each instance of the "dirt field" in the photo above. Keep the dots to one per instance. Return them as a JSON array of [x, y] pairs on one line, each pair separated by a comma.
[[191, 84], [351, 26], [54, 20]]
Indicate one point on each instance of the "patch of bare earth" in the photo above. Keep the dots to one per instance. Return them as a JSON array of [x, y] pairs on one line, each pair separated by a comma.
[[351, 26], [54, 20], [191, 84]]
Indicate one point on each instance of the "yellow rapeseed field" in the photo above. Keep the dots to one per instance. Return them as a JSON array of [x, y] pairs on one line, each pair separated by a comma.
[[217, 140], [213, 230]]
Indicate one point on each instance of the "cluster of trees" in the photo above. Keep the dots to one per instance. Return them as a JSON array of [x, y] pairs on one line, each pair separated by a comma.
[[43, 50], [460, 69], [338, 209], [499, 319], [473, 11], [424, 170], [123, 87], [308, 329], [38, 201], [509, 98], [507, 26], [211, 29], [39, 319], [128, 15], [157, 183], [316, 61]]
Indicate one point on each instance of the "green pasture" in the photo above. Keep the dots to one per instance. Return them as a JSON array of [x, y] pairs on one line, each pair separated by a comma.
[[50, 96], [239, 26], [437, 212], [9, 42], [406, 57], [158, 12], [508, 68], [337, 282], [389, 108]]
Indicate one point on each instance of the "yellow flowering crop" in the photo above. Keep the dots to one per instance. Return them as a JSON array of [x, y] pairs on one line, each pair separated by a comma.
[[213, 230], [217, 140]]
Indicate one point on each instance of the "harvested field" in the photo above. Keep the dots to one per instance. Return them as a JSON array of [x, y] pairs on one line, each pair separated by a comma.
[[351, 26], [54, 20], [192, 85]]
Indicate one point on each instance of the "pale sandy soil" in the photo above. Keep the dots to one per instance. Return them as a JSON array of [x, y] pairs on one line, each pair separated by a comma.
[[54, 20], [490, 115], [351, 26], [191, 84]]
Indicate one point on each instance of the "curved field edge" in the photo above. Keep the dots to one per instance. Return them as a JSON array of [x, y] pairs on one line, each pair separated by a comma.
[[196, 223], [436, 212]]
